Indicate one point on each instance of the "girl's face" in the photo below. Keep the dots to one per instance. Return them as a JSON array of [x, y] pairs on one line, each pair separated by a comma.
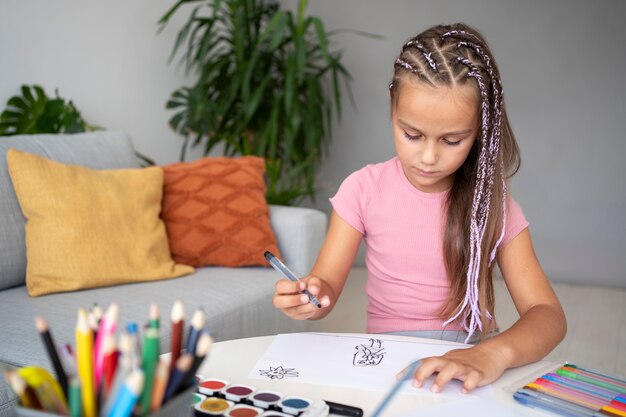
[[434, 129]]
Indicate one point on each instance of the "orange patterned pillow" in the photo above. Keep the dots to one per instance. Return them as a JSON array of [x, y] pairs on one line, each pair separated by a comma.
[[215, 212]]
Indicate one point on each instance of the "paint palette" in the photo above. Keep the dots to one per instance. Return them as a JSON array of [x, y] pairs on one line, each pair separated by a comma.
[[217, 397]]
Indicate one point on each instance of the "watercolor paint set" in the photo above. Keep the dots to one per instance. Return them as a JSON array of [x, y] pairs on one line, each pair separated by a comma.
[[218, 397]]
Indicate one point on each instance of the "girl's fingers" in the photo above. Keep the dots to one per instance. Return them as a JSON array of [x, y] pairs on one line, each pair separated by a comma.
[[447, 370], [473, 380], [290, 301], [284, 286], [428, 367]]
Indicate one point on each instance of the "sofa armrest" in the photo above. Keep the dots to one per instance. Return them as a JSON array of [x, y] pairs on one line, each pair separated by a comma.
[[300, 233]]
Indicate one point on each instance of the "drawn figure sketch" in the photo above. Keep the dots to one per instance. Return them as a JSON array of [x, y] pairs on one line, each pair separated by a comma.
[[370, 355], [279, 372]]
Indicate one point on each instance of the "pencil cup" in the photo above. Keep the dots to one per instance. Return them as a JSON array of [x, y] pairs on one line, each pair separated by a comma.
[[178, 406]]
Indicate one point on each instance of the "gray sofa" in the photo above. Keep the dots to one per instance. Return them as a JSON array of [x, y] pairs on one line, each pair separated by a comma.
[[237, 301]]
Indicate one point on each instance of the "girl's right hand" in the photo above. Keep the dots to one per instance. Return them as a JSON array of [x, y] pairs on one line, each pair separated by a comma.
[[289, 299]]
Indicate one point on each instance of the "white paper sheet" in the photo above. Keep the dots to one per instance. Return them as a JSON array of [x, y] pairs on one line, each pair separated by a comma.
[[349, 361]]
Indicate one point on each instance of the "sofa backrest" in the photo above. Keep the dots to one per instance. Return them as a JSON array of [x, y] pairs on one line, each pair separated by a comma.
[[99, 150]]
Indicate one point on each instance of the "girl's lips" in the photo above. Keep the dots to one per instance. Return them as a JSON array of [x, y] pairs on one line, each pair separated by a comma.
[[425, 173]]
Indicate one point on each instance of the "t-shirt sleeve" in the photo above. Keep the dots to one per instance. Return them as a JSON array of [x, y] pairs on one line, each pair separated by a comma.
[[515, 222], [350, 200]]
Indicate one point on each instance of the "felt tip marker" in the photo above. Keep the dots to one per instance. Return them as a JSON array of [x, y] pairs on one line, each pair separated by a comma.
[[344, 410], [282, 268]]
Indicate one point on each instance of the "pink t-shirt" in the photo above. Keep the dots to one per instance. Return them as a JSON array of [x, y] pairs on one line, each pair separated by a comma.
[[403, 231]]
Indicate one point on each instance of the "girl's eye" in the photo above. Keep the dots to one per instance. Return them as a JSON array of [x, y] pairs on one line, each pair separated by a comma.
[[411, 137], [452, 142]]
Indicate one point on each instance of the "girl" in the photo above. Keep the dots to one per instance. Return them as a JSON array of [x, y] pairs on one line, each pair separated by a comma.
[[436, 218]]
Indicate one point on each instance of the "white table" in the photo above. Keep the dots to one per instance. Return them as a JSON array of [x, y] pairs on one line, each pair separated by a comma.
[[233, 360]]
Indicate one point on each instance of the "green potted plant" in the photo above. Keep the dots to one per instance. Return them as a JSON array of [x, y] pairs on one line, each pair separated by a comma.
[[34, 112], [267, 85]]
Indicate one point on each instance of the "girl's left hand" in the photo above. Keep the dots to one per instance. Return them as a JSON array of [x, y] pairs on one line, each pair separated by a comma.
[[475, 366]]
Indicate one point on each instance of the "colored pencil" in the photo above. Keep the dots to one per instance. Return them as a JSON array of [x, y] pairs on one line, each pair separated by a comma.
[[205, 342], [195, 328], [84, 358], [68, 359], [177, 317], [22, 390], [406, 374], [53, 354], [183, 364], [54, 403], [123, 369], [128, 395], [155, 316], [111, 355], [135, 352], [149, 360], [46, 388], [74, 398], [161, 376], [106, 329]]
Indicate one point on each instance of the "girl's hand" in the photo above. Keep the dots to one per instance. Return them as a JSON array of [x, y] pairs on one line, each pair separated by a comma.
[[475, 366], [288, 298]]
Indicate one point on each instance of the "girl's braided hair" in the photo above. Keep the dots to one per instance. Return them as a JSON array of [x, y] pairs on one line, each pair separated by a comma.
[[476, 204]]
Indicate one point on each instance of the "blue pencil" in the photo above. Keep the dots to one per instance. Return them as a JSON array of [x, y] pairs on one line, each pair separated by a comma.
[[128, 396], [396, 387]]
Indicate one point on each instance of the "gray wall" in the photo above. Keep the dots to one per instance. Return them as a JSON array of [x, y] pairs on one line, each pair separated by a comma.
[[104, 55], [561, 63]]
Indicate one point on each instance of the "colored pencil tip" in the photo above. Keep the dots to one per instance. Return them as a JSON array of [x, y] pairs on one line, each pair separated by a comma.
[[17, 383], [204, 344], [135, 381], [113, 312], [41, 324], [178, 311], [197, 320], [184, 362], [82, 323], [154, 311]]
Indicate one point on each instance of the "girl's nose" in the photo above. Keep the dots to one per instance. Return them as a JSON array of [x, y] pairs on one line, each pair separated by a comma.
[[429, 153]]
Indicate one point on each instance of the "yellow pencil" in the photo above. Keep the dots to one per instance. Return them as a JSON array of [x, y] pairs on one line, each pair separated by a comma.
[[84, 359]]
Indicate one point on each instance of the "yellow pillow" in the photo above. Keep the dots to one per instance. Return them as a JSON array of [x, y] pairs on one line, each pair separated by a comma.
[[90, 228]]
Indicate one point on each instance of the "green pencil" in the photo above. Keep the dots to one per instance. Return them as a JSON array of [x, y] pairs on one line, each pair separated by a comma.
[[150, 358], [155, 317], [75, 400]]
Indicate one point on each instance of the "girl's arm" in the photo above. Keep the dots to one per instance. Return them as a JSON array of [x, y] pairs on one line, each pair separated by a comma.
[[539, 329], [327, 279]]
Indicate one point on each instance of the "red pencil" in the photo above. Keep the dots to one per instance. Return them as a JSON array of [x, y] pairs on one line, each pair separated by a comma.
[[111, 355], [178, 322]]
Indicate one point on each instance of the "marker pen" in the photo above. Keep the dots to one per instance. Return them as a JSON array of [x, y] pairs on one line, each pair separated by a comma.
[[344, 410], [282, 268]]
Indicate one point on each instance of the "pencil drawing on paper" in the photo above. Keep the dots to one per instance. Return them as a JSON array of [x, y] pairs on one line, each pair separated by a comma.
[[370, 355], [279, 372]]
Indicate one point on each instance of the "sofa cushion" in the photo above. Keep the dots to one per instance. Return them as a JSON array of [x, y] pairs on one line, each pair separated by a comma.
[[95, 150], [237, 303], [216, 213], [89, 228]]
